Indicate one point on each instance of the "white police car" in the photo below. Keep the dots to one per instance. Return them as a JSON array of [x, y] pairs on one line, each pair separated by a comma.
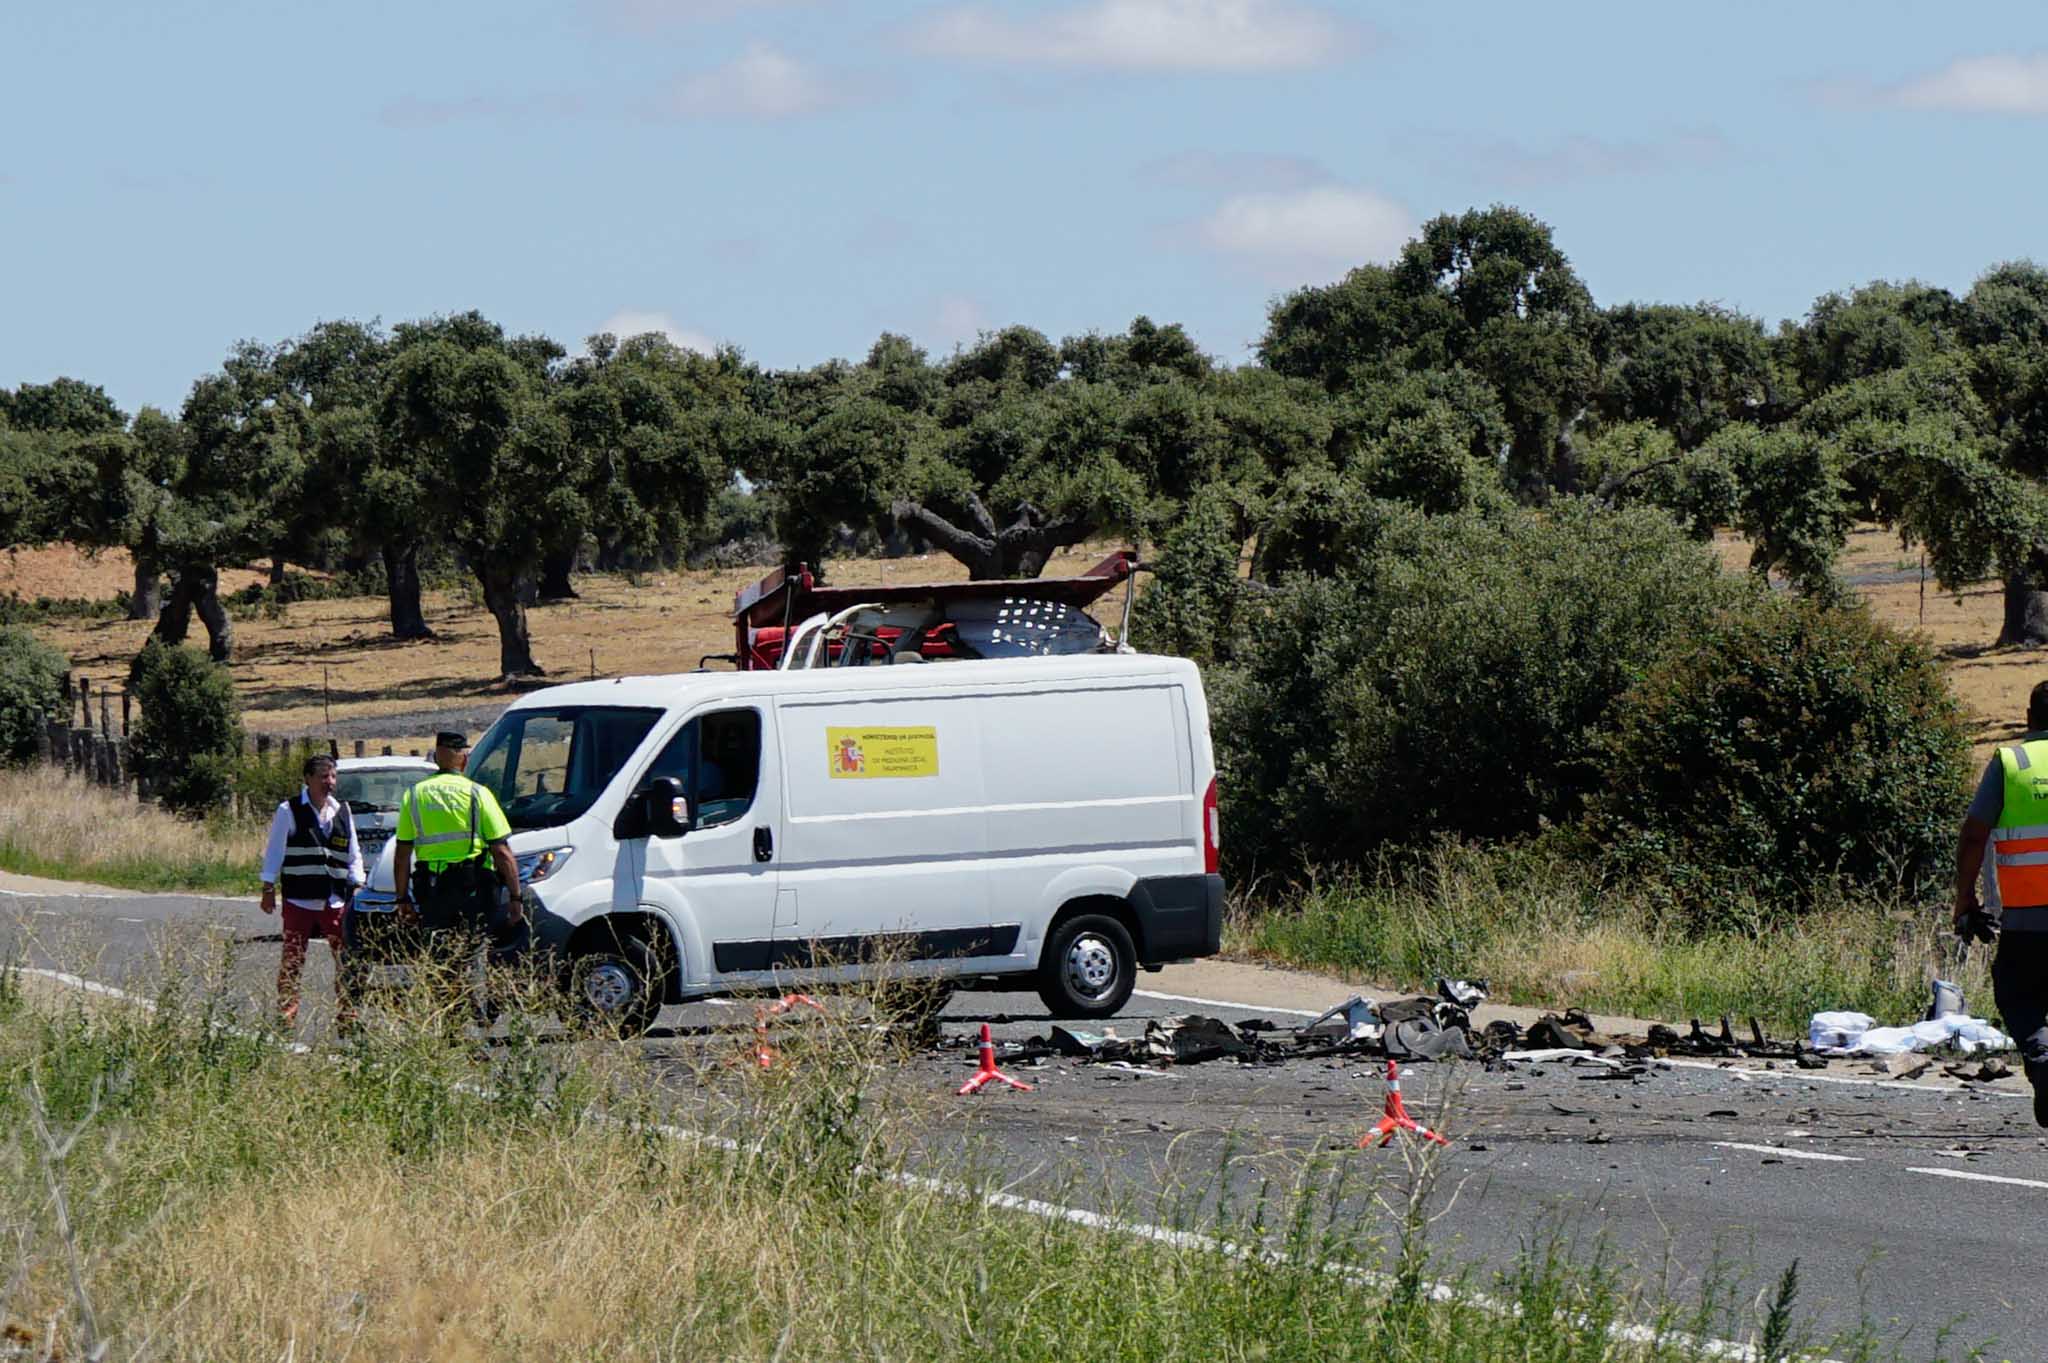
[[372, 788]]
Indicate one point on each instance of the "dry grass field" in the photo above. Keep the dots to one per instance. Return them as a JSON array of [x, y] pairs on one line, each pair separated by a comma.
[[335, 658]]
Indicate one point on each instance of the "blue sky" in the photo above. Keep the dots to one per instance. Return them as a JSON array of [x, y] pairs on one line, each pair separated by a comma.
[[797, 176]]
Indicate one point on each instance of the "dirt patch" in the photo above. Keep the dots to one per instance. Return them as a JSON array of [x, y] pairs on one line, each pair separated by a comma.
[[61, 572]]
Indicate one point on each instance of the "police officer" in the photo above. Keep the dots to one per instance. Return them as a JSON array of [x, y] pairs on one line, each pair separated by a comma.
[[455, 830], [2009, 817]]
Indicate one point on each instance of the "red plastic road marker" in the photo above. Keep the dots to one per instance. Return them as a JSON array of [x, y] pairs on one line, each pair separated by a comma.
[[765, 1054], [1396, 1118], [988, 1068]]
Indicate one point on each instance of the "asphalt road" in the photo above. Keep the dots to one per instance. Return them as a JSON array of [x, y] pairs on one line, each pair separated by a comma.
[[1917, 1205]]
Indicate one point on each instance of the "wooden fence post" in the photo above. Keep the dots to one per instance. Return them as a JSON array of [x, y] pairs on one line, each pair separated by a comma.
[[387, 750], [60, 747], [125, 702], [359, 747]]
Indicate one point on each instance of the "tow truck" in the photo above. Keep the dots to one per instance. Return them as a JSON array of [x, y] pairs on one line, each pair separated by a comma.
[[789, 620]]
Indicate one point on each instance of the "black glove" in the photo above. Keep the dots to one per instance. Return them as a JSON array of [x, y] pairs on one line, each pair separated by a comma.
[[1978, 925]]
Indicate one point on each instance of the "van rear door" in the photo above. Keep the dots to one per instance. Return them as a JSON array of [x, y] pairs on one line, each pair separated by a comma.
[[887, 831]]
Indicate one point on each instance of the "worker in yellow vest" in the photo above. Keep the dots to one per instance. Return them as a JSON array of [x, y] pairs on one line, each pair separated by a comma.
[[2004, 843], [451, 856]]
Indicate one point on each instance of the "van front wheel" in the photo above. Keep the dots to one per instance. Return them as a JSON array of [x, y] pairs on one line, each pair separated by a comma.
[[1089, 968], [617, 987]]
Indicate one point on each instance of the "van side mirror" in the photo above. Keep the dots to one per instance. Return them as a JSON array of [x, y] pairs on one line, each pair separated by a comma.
[[656, 810]]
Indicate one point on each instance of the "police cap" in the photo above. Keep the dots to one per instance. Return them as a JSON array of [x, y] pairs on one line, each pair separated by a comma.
[[449, 738]]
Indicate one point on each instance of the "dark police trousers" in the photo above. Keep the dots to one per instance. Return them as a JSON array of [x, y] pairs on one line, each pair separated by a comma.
[[2019, 982], [458, 907], [456, 897], [455, 903]]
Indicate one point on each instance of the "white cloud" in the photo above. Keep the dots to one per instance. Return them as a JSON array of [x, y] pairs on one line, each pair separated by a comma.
[[1229, 171], [1146, 35], [629, 323], [2003, 83], [1323, 227], [763, 82]]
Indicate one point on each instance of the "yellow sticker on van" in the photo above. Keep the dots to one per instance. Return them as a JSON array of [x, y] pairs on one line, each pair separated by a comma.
[[860, 754]]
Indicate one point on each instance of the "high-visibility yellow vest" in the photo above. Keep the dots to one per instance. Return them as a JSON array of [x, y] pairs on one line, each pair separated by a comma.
[[449, 818], [2019, 844]]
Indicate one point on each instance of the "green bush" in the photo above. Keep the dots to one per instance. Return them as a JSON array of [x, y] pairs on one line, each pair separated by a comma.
[[15, 611], [270, 598], [1454, 678], [31, 692], [188, 733], [1784, 747], [264, 781]]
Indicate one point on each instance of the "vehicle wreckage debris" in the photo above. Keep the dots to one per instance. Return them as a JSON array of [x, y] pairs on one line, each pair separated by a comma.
[[1414, 1029]]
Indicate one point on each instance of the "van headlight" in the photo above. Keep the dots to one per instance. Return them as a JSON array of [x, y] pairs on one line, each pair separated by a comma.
[[535, 867]]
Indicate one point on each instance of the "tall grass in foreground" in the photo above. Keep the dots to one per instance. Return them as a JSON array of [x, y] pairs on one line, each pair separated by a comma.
[[1545, 931], [68, 829], [180, 1190]]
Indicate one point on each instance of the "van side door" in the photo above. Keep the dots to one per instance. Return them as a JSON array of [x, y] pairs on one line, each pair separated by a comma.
[[722, 874], [887, 827]]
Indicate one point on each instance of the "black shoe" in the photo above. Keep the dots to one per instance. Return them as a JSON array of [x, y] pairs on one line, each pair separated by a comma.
[[2041, 1101]]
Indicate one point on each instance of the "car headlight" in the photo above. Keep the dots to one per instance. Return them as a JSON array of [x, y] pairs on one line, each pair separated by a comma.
[[535, 867]]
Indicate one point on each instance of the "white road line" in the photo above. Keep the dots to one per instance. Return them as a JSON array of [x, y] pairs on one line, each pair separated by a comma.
[[1980, 1178], [1225, 1003], [1784, 1150], [47, 913], [131, 920], [84, 985]]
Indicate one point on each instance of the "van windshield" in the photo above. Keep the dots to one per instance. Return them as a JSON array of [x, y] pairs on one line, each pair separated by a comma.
[[547, 766]]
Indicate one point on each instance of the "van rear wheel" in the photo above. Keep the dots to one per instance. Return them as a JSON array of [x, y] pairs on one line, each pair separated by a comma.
[[1089, 968]]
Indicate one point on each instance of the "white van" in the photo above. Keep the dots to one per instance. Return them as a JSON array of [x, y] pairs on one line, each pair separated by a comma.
[[1048, 822]]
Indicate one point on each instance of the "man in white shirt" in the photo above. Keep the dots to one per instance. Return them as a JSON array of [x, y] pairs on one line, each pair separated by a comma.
[[314, 858]]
